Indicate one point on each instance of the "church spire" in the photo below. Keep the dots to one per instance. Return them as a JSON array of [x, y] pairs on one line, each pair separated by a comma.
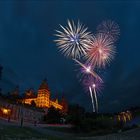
[[44, 85]]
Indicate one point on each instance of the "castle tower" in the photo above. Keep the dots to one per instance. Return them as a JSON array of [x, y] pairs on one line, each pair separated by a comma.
[[43, 96], [29, 93], [15, 93]]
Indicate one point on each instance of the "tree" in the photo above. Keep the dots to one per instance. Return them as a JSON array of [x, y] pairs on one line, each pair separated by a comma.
[[53, 116], [75, 114]]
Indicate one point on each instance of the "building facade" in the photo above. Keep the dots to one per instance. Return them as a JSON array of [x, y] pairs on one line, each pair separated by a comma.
[[42, 98], [16, 112]]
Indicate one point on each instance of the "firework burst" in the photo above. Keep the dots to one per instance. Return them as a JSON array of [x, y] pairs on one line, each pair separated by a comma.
[[109, 28], [86, 70], [94, 86], [90, 81], [101, 50], [74, 40]]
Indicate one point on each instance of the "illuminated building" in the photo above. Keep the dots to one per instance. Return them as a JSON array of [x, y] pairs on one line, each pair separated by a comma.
[[124, 116], [42, 99], [11, 111]]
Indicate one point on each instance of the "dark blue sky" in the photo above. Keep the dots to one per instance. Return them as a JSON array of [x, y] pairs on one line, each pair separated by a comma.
[[29, 54]]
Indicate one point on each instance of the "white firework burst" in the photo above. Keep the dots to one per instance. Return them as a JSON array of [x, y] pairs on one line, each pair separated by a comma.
[[74, 40]]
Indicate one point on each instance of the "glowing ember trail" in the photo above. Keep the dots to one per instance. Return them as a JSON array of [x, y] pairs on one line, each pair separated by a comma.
[[92, 100], [96, 86], [95, 95]]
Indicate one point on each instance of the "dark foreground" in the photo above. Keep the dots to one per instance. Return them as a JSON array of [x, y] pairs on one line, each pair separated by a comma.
[[12, 131]]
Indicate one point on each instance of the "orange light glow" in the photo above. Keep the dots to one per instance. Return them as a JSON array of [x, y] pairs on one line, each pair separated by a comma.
[[6, 111]]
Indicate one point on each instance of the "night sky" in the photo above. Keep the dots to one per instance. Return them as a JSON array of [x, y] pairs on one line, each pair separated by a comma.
[[29, 54]]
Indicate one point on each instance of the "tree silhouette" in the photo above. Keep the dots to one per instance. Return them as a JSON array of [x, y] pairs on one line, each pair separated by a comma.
[[53, 116]]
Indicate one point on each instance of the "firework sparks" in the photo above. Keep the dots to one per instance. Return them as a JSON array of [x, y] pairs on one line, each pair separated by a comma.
[[92, 100], [96, 85], [93, 82], [95, 95], [87, 70], [110, 28], [74, 40], [101, 50]]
